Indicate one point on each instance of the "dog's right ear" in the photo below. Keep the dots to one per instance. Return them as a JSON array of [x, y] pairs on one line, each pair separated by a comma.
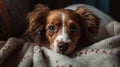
[[37, 19], [39, 12]]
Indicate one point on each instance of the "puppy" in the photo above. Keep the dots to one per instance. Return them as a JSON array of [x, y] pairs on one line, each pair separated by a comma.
[[63, 30]]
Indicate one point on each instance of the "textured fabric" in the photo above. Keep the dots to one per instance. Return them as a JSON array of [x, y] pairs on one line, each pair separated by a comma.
[[113, 28], [105, 53]]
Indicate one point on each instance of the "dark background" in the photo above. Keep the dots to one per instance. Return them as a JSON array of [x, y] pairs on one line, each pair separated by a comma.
[[111, 7], [114, 9]]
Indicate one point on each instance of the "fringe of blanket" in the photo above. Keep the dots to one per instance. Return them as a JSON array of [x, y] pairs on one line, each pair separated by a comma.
[[15, 52]]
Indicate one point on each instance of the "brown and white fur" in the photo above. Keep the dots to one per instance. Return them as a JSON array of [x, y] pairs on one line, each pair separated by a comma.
[[63, 30]]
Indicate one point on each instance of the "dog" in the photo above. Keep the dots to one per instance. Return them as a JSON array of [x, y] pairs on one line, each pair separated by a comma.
[[62, 30]]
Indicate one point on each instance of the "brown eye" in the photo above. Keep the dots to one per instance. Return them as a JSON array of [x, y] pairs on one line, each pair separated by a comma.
[[73, 28], [52, 28]]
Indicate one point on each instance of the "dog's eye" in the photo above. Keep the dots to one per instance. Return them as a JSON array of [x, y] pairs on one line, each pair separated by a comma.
[[52, 28], [39, 33], [73, 28]]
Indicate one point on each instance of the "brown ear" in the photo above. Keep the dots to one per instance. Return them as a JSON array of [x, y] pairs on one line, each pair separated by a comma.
[[37, 19], [90, 21]]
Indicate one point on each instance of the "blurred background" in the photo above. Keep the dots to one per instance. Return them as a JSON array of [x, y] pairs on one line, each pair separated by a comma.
[[13, 12]]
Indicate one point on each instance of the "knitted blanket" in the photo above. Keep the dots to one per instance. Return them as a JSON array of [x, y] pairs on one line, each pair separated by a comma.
[[18, 53]]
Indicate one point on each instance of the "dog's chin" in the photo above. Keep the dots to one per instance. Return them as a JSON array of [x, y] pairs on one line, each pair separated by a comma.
[[63, 53], [68, 52]]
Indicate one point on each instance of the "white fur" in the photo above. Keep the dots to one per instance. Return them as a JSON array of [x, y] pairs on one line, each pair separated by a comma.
[[63, 36]]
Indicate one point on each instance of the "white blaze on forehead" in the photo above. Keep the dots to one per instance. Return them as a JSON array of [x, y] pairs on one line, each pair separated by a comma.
[[63, 36]]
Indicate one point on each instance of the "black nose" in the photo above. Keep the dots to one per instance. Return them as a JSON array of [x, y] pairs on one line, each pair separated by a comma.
[[63, 46]]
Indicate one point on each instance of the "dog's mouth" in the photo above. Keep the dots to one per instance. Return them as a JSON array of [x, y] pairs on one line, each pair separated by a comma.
[[64, 48], [64, 53], [60, 51]]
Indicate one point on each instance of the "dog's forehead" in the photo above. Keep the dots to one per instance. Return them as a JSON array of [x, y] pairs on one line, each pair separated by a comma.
[[57, 15], [58, 12]]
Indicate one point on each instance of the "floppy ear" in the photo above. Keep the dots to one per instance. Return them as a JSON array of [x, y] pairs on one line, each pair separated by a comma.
[[90, 21], [37, 20]]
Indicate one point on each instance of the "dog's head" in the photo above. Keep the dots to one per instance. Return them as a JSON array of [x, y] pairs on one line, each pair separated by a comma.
[[63, 29]]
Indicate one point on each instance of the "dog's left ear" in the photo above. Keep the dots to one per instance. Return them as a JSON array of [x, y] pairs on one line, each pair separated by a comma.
[[90, 21], [37, 21]]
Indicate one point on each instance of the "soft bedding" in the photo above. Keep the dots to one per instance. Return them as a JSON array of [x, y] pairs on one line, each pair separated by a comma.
[[105, 53]]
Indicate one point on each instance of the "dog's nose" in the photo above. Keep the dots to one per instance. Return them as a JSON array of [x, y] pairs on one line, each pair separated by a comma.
[[63, 46]]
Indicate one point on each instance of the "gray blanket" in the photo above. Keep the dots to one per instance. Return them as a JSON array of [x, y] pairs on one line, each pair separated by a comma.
[[18, 53]]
